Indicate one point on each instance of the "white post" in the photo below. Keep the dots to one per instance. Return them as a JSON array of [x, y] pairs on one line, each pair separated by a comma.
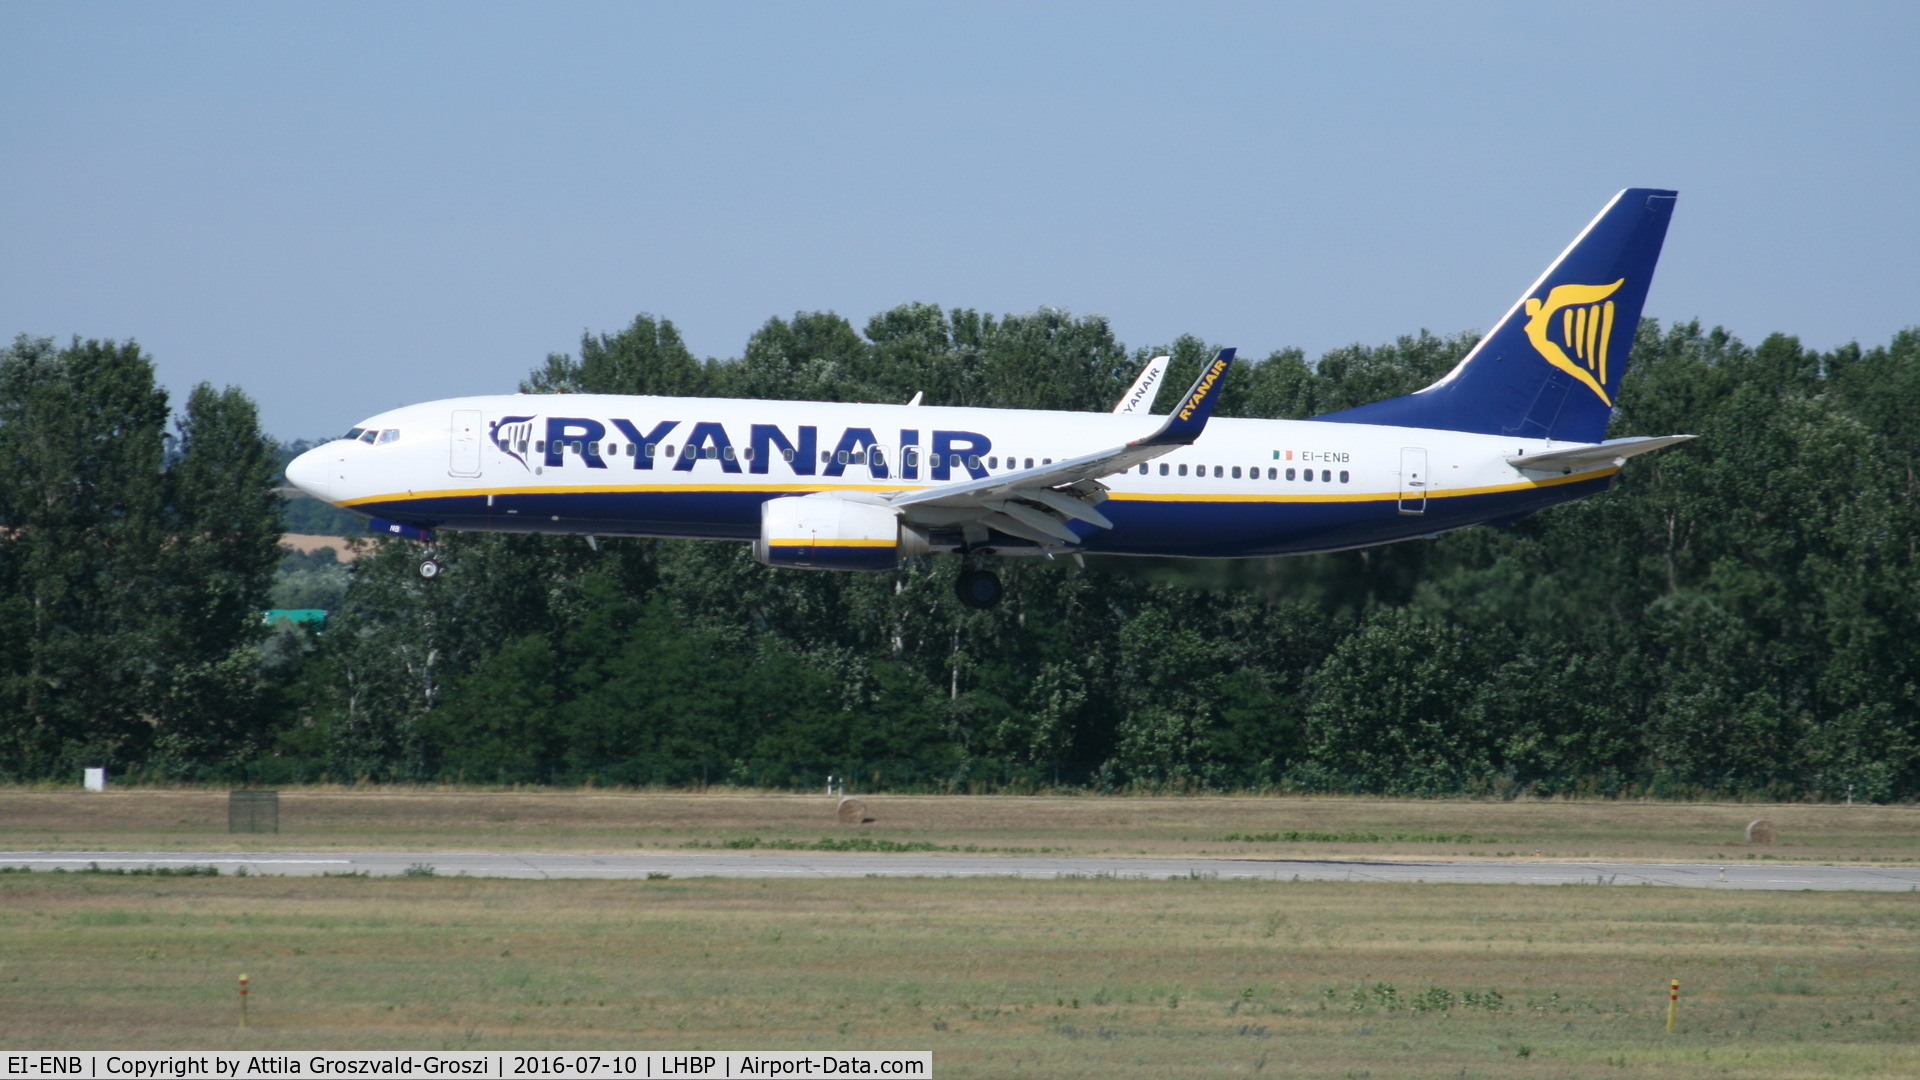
[[96, 779]]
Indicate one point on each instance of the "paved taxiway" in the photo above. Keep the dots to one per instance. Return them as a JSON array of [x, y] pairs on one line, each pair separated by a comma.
[[1741, 875]]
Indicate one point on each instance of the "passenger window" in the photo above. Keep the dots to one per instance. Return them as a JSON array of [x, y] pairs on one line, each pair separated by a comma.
[[1326, 476], [1307, 475], [973, 461], [954, 462], [1029, 463], [1183, 470], [826, 457], [787, 453], [993, 463], [858, 457], [1273, 473], [1143, 468], [1046, 461], [540, 446], [727, 453], [1289, 474], [1343, 476], [842, 456], [1219, 471], [633, 450], [910, 456], [1163, 469], [876, 459], [1236, 472], [523, 446], [593, 448], [576, 446]]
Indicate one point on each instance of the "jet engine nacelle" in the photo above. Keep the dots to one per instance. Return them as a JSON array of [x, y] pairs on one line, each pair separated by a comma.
[[833, 532]]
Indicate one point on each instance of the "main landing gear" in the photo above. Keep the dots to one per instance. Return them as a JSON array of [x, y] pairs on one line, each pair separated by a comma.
[[978, 589]]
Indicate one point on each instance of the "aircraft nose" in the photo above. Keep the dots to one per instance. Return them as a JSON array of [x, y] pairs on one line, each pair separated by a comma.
[[308, 472]]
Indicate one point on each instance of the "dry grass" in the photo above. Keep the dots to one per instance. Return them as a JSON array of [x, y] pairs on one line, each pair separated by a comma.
[[1109, 978], [343, 547], [589, 821]]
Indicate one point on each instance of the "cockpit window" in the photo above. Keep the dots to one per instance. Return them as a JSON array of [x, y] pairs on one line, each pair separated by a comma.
[[354, 434], [389, 435], [369, 435]]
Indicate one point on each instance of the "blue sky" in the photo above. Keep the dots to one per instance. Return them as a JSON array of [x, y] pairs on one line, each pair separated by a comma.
[[344, 207]]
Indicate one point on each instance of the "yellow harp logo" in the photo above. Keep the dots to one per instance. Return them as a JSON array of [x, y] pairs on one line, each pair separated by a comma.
[[1586, 325]]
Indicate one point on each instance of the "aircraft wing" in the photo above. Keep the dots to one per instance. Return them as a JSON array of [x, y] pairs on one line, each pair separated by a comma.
[[1035, 504]]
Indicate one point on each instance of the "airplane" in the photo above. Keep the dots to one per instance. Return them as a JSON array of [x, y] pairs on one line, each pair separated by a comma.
[[1517, 426]]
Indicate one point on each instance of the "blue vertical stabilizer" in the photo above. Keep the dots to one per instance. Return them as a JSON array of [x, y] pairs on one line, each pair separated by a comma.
[[1551, 368]]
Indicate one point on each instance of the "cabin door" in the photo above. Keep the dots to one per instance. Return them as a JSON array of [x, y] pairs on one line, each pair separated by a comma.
[[1413, 480], [464, 432]]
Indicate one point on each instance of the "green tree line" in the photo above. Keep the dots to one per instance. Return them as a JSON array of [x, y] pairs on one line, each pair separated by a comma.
[[1737, 617]]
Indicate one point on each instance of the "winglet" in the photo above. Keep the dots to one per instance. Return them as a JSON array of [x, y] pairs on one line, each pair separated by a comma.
[[1139, 396], [1189, 417]]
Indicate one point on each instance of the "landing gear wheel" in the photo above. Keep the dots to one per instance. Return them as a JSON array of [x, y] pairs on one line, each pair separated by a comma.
[[978, 589], [429, 569]]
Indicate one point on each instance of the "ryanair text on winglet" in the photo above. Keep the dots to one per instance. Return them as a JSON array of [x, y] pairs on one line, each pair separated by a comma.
[[1200, 392]]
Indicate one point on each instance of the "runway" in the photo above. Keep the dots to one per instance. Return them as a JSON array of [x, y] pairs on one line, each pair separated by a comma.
[[1734, 876]]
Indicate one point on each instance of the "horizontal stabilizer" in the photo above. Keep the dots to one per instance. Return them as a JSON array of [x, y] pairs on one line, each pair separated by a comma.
[[1575, 457]]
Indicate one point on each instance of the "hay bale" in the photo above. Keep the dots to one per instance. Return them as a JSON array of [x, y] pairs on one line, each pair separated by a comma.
[[1761, 831], [853, 811]]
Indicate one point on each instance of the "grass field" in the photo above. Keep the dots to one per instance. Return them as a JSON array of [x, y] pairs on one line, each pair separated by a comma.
[[433, 820], [999, 978]]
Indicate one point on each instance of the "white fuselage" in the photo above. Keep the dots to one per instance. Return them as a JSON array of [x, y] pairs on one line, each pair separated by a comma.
[[700, 467]]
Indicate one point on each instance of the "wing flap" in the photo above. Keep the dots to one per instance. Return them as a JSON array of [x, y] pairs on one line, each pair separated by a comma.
[[1069, 505], [1036, 519]]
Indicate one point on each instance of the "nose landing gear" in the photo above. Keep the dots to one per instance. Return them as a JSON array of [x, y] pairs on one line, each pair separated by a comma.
[[429, 568]]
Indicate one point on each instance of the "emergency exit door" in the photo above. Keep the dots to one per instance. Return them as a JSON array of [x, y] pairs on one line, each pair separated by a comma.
[[1413, 480]]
